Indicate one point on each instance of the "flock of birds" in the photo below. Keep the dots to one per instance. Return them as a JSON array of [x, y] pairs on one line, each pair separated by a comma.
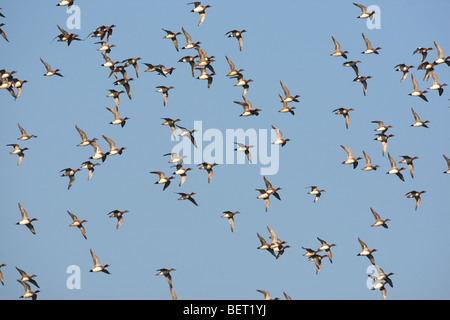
[[201, 62]]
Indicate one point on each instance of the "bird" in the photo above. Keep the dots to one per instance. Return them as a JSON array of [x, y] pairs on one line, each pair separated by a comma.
[[115, 94], [345, 113], [241, 82], [381, 127], [271, 190], [166, 273], [67, 3], [50, 72], [369, 48], [266, 294], [309, 252], [275, 242], [84, 140], [440, 53], [172, 36], [18, 84], [77, 223], [286, 108], [418, 122], [315, 191], [200, 9], [238, 35], [66, 37], [233, 70], [364, 13], [165, 91], [448, 164], [383, 138], [248, 108], [97, 266], [90, 166], [416, 195], [350, 159], [242, 147], [354, 65], [104, 46], [366, 252], [230, 216], [117, 119], [119, 215], [409, 161], [209, 169], [24, 135], [204, 75], [171, 123], [28, 293], [337, 50], [188, 133], [126, 84], [182, 172], [264, 245], [187, 196], [378, 285], [98, 154], [436, 85], [265, 196], [175, 157], [383, 276], [2, 33], [191, 61], [363, 80], [162, 179], [189, 43], [113, 150], [279, 139], [318, 261], [378, 220], [369, 165], [403, 68], [26, 278], [69, 172], [394, 169], [327, 248], [19, 151], [134, 63], [287, 96], [417, 92], [423, 51], [1, 274]]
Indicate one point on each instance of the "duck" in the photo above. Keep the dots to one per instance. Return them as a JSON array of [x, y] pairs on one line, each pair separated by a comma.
[[381, 126], [162, 179], [24, 135], [109, 63], [448, 164], [209, 169], [337, 49], [423, 51], [238, 35], [286, 108], [378, 220], [379, 285], [187, 196], [440, 59], [436, 85], [126, 84], [84, 139], [1, 274], [172, 36], [19, 151], [345, 113], [162, 70], [233, 70], [265, 196], [119, 215], [175, 157], [279, 140], [200, 9], [383, 276], [204, 75], [366, 252], [318, 261], [188, 133], [394, 169], [97, 266], [364, 13], [416, 195], [69, 172], [248, 108], [266, 295], [369, 165], [403, 68], [409, 161], [417, 92], [354, 65], [115, 94], [113, 150], [117, 119], [28, 293], [230, 216], [418, 123], [50, 72], [275, 242], [383, 138], [2, 32], [241, 82], [165, 91], [166, 273], [104, 46], [98, 154], [369, 48], [287, 96], [66, 37], [77, 223], [363, 80], [350, 158], [191, 61], [90, 166], [18, 84], [327, 248], [25, 220], [64, 3], [116, 70], [26, 278], [242, 147], [309, 252], [271, 190], [189, 43], [134, 63], [171, 123], [315, 191], [181, 172], [264, 245]]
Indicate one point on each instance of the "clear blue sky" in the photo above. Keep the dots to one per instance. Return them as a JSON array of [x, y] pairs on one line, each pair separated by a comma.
[[288, 41]]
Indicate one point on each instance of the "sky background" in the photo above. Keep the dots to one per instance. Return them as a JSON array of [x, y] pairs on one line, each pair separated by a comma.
[[288, 41]]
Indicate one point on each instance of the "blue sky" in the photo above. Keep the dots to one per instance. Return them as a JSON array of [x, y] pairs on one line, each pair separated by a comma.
[[291, 43]]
